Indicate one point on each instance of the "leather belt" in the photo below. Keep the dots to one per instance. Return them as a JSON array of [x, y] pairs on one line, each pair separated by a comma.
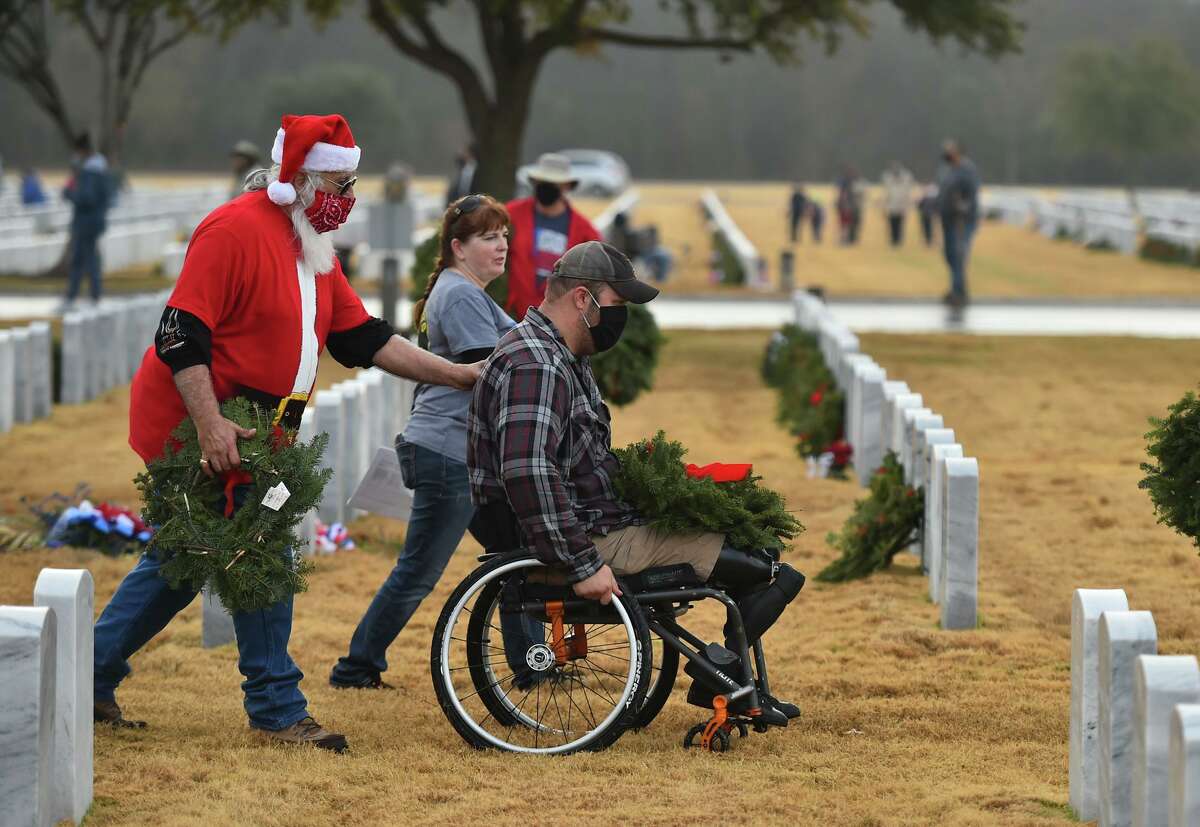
[[288, 409]]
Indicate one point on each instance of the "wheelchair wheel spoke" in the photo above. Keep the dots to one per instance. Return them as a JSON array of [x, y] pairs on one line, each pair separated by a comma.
[[479, 642]]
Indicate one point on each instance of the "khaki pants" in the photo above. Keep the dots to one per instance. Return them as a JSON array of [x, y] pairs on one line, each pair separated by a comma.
[[636, 548]]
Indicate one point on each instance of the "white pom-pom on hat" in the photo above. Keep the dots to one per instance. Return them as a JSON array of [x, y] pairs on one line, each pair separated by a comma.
[[281, 193]]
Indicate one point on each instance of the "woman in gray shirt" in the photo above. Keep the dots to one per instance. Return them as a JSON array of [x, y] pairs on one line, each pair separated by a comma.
[[457, 320]]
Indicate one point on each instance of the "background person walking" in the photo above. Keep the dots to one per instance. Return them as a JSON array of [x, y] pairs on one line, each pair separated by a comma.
[[90, 192], [897, 185], [958, 204]]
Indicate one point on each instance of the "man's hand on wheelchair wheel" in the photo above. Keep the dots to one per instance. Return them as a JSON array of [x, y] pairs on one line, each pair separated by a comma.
[[600, 586]]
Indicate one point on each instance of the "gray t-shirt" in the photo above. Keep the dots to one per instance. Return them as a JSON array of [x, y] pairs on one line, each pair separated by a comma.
[[461, 317]]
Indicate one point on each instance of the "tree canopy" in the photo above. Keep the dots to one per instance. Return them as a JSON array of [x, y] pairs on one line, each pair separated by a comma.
[[516, 37]]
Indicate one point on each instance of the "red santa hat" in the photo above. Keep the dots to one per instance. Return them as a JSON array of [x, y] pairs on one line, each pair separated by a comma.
[[316, 143]]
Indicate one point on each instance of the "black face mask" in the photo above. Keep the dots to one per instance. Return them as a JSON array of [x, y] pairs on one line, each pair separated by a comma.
[[546, 193], [608, 331]]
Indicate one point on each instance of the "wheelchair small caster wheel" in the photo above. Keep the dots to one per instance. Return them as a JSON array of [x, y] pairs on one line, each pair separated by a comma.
[[718, 743], [743, 730]]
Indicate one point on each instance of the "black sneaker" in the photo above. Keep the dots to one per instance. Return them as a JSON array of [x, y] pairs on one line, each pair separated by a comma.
[[367, 683], [701, 696], [788, 709]]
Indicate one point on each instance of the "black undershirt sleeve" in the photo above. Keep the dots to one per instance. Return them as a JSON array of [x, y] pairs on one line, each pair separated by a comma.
[[356, 347], [478, 354], [182, 340]]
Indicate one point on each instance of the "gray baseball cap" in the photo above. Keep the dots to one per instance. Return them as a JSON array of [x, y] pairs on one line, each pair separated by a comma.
[[598, 261]]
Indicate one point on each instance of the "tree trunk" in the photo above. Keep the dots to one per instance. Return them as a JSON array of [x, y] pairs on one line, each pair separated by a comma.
[[499, 143]]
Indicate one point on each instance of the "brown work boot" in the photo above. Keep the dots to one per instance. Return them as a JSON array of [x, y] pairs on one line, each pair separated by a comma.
[[308, 731], [107, 712]]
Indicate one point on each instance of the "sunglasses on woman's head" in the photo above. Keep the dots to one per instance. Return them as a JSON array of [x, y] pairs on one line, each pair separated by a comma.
[[467, 204]]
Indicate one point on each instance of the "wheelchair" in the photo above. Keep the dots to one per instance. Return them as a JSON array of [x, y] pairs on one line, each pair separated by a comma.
[[521, 664]]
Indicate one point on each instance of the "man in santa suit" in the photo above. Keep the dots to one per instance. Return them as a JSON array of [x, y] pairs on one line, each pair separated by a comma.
[[260, 295]]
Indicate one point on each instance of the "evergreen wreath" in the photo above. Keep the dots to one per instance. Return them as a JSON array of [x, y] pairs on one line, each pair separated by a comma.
[[883, 524], [654, 480], [628, 369], [810, 406], [245, 558], [1173, 474]]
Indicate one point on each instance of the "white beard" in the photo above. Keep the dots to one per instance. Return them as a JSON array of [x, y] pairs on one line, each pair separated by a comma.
[[316, 249]]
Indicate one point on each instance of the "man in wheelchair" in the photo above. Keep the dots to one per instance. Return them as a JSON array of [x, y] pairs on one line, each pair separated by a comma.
[[539, 450]]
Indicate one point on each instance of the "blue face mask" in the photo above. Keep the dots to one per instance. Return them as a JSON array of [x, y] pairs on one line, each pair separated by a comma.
[[607, 332]]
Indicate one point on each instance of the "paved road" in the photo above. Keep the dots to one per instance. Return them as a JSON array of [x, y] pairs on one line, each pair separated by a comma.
[[1151, 319]]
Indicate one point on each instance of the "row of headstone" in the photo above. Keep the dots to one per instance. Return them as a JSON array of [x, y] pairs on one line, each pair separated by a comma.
[[46, 653], [885, 416], [753, 265], [122, 247], [103, 346], [360, 415], [26, 374], [1134, 747]]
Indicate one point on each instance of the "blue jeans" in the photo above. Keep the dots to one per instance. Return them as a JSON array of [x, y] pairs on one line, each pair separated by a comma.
[[441, 512], [143, 605], [957, 234], [85, 258]]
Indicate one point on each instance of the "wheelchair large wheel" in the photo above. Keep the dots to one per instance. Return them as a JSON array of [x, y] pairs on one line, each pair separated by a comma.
[[583, 702], [663, 669]]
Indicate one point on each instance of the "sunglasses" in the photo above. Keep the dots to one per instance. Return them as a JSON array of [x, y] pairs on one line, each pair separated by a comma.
[[342, 185], [467, 204]]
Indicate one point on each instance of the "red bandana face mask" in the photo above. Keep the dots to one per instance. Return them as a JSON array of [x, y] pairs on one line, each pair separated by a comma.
[[328, 211]]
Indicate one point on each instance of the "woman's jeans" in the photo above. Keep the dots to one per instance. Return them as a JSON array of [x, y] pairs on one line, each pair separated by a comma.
[[143, 605], [441, 512]]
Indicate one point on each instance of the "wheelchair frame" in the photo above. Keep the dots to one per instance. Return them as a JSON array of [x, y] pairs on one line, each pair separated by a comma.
[[661, 605]]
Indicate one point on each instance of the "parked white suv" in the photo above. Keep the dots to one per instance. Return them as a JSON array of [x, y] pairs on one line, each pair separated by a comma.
[[601, 174]]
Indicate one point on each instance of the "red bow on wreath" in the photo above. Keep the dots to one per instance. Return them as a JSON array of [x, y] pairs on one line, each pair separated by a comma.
[[232, 480], [720, 472]]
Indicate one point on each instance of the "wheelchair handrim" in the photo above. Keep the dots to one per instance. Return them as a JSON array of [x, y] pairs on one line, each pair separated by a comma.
[[513, 708], [618, 708]]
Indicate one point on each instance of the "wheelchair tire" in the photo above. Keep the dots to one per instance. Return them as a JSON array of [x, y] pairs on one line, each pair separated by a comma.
[[662, 681], [493, 717]]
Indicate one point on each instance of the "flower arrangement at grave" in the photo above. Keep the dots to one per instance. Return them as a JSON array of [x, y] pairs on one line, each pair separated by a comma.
[[883, 524], [810, 406], [1173, 472], [245, 555], [74, 520], [626, 370], [681, 498]]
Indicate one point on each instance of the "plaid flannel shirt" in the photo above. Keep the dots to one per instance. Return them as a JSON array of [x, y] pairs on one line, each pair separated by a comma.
[[538, 435]]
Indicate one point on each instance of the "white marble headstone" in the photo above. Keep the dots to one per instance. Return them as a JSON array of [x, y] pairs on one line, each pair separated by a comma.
[[1086, 607], [926, 439], [42, 350], [1122, 637], [934, 518], [901, 405], [27, 685], [328, 418], [868, 450], [915, 424], [71, 594], [1184, 782], [216, 623], [8, 382], [960, 544], [1162, 681], [22, 375], [74, 360]]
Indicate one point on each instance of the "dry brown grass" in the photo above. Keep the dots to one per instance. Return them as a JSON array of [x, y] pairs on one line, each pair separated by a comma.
[[903, 724], [1006, 261]]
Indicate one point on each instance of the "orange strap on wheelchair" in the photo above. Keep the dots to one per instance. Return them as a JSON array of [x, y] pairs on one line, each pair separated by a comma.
[[554, 610], [579, 642]]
